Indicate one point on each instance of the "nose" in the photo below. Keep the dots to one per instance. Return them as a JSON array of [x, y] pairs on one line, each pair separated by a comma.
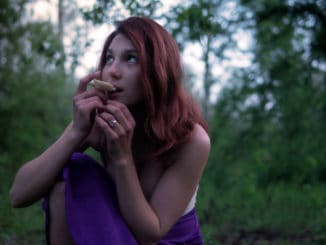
[[114, 70]]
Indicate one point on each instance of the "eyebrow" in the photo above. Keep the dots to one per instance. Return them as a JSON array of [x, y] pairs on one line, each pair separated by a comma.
[[124, 51]]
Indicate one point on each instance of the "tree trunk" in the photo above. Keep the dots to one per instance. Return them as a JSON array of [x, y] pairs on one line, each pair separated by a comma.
[[207, 83], [60, 20]]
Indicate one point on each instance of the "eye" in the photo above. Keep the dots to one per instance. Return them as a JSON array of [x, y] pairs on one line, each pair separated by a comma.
[[132, 59], [109, 59]]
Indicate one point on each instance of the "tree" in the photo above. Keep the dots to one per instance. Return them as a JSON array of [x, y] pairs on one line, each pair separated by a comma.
[[268, 128], [202, 22], [35, 105], [272, 115], [34, 85], [205, 22]]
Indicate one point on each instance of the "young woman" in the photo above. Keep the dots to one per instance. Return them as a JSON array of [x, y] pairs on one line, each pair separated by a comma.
[[152, 140]]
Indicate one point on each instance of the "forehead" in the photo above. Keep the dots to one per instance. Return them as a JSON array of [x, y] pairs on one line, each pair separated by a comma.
[[121, 42]]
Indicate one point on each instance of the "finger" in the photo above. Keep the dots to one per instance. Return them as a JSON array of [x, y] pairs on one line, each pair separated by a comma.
[[91, 93], [113, 123], [92, 101], [117, 114], [121, 113], [82, 101], [82, 86], [108, 131], [88, 106]]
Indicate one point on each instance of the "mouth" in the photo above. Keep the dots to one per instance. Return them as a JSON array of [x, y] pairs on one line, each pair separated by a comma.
[[117, 89], [114, 94]]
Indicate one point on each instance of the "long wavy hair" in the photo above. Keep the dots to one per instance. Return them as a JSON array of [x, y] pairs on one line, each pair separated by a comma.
[[171, 112]]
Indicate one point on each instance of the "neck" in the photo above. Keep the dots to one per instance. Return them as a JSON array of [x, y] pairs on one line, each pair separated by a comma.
[[138, 112], [141, 143]]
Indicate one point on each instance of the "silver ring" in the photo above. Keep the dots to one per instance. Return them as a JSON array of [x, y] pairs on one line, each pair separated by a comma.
[[112, 123]]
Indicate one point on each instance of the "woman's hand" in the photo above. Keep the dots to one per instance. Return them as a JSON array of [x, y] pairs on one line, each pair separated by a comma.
[[37, 177], [86, 103], [118, 125]]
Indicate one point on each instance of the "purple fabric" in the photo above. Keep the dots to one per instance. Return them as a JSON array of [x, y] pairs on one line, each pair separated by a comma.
[[93, 213]]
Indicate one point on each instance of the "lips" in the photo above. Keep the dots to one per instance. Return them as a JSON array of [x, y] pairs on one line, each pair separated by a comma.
[[117, 89], [115, 94]]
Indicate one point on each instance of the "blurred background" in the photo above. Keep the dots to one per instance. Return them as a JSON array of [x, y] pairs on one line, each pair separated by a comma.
[[258, 68]]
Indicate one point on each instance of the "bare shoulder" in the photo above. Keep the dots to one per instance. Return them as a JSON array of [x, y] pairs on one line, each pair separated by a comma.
[[196, 149], [199, 136], [180, 179], [199, 141]]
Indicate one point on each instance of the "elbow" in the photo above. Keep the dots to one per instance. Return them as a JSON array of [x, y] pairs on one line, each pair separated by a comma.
[[150, 237], [20, 198], [148, 240], [15, 200]]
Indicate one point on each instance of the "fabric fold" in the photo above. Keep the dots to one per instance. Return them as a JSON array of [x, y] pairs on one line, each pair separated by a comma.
[[93, 213]]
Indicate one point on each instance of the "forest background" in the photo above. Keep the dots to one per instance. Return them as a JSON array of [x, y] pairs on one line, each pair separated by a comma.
[[266, 176]]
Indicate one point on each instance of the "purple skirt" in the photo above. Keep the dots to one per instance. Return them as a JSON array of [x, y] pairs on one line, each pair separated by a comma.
[[93, 213]]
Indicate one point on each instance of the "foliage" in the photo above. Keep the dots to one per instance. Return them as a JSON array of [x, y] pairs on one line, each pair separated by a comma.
[[196, 21], [268, 132], [280, 214], [142, 8], [265, 179], [203, 22], [99, 12], [34, 105], [105, 11]]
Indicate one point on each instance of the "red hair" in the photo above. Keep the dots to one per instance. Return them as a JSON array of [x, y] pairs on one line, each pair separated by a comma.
[[171, 112]]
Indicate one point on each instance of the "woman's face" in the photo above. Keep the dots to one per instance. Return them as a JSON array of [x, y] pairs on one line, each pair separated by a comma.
[[122, 69]]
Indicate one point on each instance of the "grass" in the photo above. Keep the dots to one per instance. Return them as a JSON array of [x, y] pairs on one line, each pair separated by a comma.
[[23, 226], [235, 213], [19, 226], [280, 214]]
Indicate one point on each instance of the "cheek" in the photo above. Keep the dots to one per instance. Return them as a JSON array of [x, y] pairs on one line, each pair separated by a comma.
[[139, 89], [136, 93], [137, 84], [104, 73]]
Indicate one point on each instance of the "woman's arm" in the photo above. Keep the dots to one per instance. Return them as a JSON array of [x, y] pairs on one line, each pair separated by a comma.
[[35, 178], [151, 219]]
